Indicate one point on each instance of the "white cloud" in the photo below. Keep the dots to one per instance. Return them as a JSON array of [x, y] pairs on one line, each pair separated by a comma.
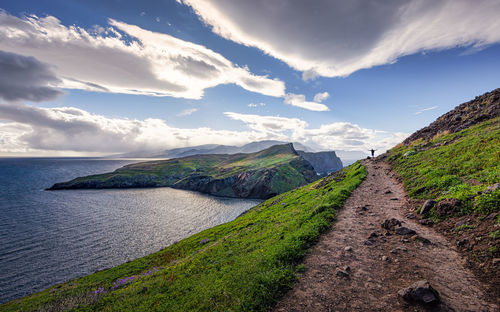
[[187, 112], [69, 131], [142, 13], [334, 136], [299, 100], [320, 97], [425, 109], [157, 19], [336, 38], [123, 58], [257, 104]]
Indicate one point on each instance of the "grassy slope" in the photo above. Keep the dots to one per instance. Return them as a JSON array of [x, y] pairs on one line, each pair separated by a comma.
[[175, 172], [456, 165], [246, 264]]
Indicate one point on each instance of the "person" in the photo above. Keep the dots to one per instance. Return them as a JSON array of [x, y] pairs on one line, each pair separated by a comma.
[[373, 152]]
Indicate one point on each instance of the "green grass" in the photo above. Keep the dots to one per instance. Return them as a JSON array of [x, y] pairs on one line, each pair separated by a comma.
[[459, 165], [243, 265], [276, 170]]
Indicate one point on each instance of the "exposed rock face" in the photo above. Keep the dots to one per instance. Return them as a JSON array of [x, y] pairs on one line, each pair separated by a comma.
[[447, 206], [323, 162], [465, 115], [427, 206], [420, 292], [257, 175]]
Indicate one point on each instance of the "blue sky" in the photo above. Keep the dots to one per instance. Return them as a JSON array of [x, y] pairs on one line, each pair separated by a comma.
[[381, 85]]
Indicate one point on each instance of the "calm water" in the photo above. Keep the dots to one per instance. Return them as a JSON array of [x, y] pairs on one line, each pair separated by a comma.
[[51, 237]]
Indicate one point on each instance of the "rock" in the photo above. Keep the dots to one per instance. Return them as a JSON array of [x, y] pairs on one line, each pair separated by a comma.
[[343, 274], [394, 198], [410, 216], [368, 242], [373, 235], [492, 188], [460, 223], [420, 292], [405, 231], [348, 248], [390, 224], [385, 258], [427, 222], [204, 241], [462, 242], [422, 239], [347, 269], [388, 192], [398, 249], [491, 216], [427, 206], [495, 261], [447, 206]]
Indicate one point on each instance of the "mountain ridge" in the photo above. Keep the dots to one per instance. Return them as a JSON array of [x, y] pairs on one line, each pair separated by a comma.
[[255, 175]]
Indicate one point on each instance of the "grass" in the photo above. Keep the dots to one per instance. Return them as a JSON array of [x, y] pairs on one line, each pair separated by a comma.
[[243, 265], [459, 165], [276, 170]]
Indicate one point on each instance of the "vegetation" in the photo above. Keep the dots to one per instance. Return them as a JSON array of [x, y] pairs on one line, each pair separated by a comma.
[[257, 175], [243, 265], [457, 165]]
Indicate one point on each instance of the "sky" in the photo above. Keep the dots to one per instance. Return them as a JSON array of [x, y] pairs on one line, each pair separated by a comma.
[[92, 78]]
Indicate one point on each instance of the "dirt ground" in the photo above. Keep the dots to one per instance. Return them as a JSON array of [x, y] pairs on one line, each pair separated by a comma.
[[359, 266]]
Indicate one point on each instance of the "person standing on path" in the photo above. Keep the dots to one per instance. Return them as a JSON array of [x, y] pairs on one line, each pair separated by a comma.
[[373, 152]]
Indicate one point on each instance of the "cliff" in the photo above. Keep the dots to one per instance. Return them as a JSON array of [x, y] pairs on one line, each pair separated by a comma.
[[256, 175], [323, 162]]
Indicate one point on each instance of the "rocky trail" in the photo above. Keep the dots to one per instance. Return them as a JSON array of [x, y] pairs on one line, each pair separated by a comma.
[[359, 265]]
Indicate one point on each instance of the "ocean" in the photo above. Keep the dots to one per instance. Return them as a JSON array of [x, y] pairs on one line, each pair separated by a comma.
[[49, 237]]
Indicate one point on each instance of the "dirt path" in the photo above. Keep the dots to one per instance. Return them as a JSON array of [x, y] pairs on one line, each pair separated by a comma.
[[373, 281]]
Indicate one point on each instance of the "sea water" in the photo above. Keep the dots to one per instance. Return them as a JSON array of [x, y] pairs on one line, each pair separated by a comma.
[[49, 237]]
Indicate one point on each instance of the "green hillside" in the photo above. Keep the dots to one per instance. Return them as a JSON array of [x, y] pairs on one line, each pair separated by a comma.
[[243, 265], [257, 175], [460, 165]]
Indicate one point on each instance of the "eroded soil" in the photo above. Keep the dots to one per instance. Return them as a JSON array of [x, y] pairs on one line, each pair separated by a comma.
[[377, 264]]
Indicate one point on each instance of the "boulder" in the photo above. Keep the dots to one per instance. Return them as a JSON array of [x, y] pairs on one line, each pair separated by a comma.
[[420, 292], [447, 206], [391, 224], [405, 231], [427, 206]]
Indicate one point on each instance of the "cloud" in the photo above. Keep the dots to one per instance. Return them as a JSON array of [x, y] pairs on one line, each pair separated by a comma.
[[425, 109], [124, 58], [256, 105], [333, 38], [187, 112], [299, 100], [70, 131], [25, 78], [320, 97], [334, 136]]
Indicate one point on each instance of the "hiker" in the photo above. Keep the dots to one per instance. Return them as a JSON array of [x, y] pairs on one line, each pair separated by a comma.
[[373, 152]]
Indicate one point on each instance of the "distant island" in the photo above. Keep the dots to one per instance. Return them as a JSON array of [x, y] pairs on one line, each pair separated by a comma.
[[262, 175]]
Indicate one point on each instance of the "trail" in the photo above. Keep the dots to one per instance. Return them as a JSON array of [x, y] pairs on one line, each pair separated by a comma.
[[373, 281]]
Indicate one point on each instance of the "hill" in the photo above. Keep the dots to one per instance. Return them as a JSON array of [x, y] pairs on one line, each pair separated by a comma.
[[256, 175], [451, 171], [252, 147], [243, 265]]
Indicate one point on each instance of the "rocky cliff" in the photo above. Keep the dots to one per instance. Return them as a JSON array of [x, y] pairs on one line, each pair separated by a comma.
[[256, 175], [465, 115], [323, 162]]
